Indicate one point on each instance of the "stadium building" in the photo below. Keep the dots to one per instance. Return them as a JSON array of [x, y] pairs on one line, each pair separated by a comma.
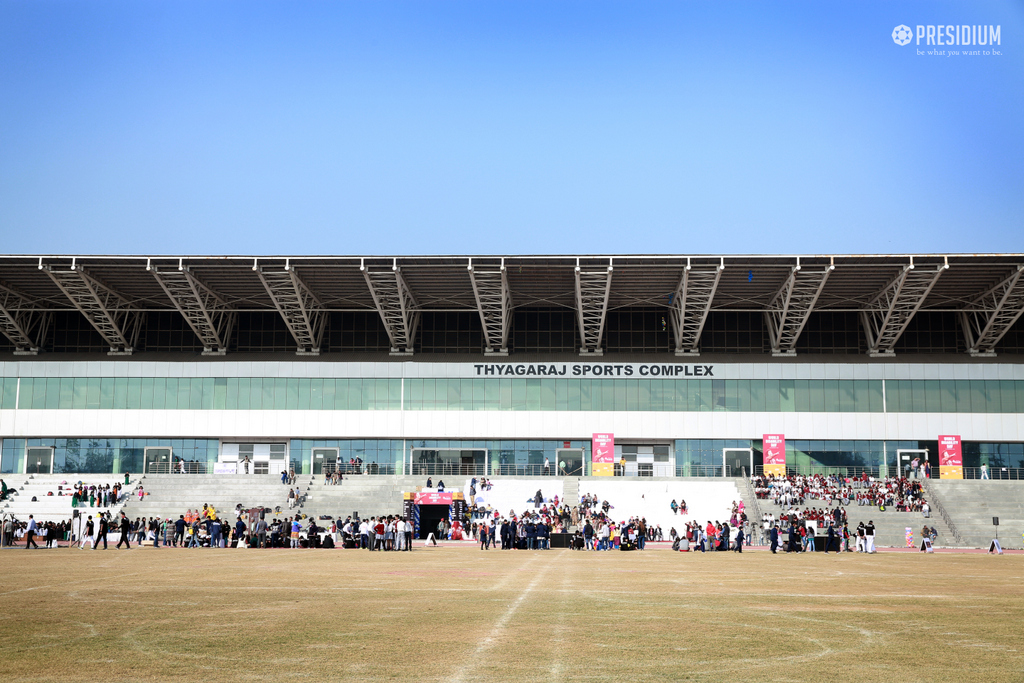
[[511, 365]]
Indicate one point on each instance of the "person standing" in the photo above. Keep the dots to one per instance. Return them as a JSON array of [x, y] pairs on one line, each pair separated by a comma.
[[984, 471], [773, 535], [87, 535], [179, 532], [103, 528], [126, 530], [739, 540], [30, 532], [869, 535], [261, 532], [485, 541], [408, 534]]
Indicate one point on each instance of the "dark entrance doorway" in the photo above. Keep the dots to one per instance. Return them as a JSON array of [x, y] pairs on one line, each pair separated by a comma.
[[430, 515]]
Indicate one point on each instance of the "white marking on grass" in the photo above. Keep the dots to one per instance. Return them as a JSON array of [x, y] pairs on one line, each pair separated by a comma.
[[492, 637]]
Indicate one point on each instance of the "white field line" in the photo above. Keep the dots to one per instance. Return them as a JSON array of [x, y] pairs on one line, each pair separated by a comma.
[[492, 637]]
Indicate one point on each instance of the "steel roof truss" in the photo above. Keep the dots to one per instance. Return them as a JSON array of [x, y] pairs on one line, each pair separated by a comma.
[[397, 307], [690, 306], [893, 308], [22, 322], [300, 309], [106, 310], [494, 302], [593, 287], [791, 307], [205, 312], [991, 315]]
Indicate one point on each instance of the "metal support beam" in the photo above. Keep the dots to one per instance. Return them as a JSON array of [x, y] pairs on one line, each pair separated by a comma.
[[302, 312], [991, 315], [791, 307], [396, 305], [106, 310], [494, 302], [691, 304], [205, 312], [892, 309], [592, 290], [22, 322]]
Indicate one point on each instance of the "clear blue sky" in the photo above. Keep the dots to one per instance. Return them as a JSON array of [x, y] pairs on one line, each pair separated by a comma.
[[506, 127]]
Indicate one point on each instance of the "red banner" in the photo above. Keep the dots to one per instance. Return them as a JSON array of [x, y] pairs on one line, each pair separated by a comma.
[[603, 459], [774, 446], [433, 498], [951, 459]]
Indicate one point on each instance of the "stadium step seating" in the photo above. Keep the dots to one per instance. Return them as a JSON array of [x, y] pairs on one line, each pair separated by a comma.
[[890, 526], [651, 498], [508, 493], [170, 495], [972, 503], [53, 508]]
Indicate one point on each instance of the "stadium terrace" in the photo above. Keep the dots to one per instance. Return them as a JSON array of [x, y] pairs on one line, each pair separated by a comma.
[[678, 366]]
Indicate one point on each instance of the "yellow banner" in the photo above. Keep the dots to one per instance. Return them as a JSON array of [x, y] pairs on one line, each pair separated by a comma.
[[778, 470], [603, 469], [951, 472]]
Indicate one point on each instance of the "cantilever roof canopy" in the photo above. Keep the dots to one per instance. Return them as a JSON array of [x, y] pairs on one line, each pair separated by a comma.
[[113, 292]]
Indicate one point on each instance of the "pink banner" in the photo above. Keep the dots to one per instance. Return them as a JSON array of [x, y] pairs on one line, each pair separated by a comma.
[[603, 458], [774, 446], [950, 454], [432, 498], [951, 459]]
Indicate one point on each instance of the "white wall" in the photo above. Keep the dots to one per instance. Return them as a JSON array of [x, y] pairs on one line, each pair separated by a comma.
[[504, 425]]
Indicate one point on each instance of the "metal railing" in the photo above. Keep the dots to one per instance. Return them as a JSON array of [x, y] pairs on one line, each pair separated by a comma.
[[807, 470], [701, 471], [347, 469], [937, 506], [755, 515], [446, 469], [1010, 473], [176, 468]]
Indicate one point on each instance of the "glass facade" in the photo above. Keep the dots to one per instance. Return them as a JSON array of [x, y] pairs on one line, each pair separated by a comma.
[[679, 395], [954, 396], [206, 393], [104, 456], [543, 394]]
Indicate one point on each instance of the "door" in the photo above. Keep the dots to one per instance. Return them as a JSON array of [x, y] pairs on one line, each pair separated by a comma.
[[569, 461], [735, 459], [158, 460], [39, 460], [904, 458], [325, 460]]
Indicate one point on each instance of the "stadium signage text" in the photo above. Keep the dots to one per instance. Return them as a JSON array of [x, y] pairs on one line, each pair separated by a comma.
[[594, 370]]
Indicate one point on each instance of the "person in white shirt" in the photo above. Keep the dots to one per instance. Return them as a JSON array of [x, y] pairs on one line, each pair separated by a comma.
[[364, 534], [397, 529], [30, 532], [408, 534]]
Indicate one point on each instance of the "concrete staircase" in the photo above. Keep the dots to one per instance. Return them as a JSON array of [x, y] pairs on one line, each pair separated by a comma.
[[971, 504], [46, 508], [571, 491], [890, 526], [170, 495]]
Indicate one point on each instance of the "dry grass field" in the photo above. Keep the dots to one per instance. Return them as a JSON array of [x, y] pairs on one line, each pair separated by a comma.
[[458, 614]]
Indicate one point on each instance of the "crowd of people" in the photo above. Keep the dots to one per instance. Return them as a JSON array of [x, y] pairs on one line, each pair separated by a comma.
[[791, 491]]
